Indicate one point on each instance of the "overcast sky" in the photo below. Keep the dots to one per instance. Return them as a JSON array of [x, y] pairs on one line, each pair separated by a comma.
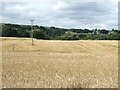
[[62, 13]]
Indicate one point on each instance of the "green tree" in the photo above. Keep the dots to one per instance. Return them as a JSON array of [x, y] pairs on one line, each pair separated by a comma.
[[8, 31], [103, 31], [39, 34]]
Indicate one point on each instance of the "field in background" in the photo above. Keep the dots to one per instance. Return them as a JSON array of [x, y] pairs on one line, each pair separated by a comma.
[[52, 63]]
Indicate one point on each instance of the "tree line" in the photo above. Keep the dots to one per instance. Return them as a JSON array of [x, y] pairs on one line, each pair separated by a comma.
[[54, 33]]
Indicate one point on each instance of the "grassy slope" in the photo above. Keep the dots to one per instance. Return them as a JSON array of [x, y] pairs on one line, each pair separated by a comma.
[[59, 63]]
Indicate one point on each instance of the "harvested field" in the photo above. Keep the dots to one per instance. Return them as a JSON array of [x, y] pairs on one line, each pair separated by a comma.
[[54, 63]]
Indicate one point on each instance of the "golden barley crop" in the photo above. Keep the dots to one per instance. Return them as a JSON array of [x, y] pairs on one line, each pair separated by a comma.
[[59, 64]]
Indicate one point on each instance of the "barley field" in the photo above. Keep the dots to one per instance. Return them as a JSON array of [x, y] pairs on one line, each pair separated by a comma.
[[59, 64]]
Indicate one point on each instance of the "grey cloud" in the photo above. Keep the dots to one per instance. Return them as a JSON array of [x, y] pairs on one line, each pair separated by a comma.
[[88, 12], [83, 9]]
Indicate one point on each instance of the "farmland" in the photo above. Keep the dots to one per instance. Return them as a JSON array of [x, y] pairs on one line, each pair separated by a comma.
[[56, 63]]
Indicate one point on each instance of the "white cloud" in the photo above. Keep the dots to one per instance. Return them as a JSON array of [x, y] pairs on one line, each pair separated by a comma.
[[59, 5], [63, 13]]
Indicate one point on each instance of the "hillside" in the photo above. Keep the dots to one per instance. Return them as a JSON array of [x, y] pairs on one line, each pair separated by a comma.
[[55, 33]]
